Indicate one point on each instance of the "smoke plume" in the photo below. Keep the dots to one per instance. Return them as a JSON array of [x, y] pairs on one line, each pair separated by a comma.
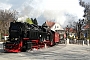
[[60, 11]]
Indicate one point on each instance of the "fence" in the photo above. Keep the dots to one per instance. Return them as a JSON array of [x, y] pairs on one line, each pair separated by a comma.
[[82, 42]]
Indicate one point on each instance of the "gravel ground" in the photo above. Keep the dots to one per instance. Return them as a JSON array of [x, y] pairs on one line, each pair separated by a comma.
[[59, 52]]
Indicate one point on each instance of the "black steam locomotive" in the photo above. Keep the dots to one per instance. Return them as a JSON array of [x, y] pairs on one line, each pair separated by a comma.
[[25, 36]]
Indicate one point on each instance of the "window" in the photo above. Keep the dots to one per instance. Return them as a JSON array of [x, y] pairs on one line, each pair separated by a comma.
[[57, 26]]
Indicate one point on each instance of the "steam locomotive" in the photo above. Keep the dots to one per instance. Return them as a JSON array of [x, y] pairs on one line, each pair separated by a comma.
[[25, 36]]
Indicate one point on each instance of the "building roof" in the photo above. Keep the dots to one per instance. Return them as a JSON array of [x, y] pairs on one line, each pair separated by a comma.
[[86, 26], [71, 30], [50, 23], [53, 26]]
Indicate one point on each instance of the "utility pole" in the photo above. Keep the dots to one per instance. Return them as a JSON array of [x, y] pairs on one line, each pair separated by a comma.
[[67, 32], [79, 28]]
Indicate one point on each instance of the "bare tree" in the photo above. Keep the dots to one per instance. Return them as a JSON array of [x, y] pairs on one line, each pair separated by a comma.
[[86, 15], [7, 16]]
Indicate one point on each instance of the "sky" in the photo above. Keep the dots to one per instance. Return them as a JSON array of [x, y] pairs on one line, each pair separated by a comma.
[[60, 11]]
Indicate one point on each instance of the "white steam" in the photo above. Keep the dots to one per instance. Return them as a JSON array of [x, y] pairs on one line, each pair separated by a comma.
[[58, 10]]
